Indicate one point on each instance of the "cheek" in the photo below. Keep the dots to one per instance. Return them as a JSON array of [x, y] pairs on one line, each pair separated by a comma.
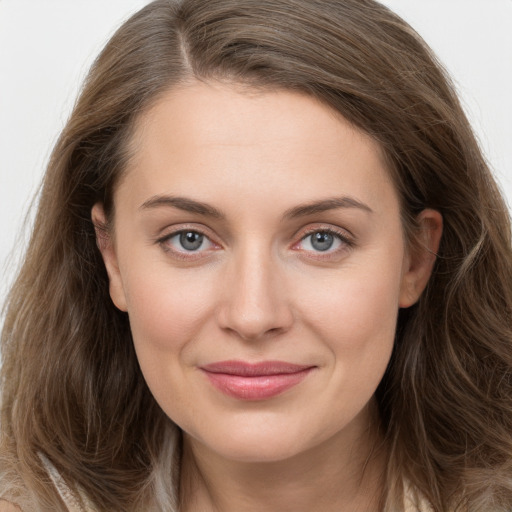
[[354, 316], [369, 308], [357, 326], [166, 309], [355, 309]]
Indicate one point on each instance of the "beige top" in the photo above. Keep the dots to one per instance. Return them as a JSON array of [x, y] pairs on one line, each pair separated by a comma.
[[73, 503], [413, 501]]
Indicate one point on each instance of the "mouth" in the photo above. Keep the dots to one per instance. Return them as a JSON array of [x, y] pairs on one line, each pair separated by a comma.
[[255, 381]]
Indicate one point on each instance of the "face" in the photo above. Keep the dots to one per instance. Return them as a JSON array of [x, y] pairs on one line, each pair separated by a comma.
[[259, 253]]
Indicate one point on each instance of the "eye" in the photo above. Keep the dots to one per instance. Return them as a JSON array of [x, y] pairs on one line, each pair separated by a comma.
[[323, 241], [187, 241]]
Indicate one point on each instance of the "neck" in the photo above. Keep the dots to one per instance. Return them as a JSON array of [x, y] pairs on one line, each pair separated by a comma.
[[341, 474]]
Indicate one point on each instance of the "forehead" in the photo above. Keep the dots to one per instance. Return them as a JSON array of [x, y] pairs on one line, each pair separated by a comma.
[[209, 137]]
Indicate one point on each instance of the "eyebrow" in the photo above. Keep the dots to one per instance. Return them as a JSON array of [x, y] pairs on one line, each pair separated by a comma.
[[183, 203], [324, 205], [200, 208]]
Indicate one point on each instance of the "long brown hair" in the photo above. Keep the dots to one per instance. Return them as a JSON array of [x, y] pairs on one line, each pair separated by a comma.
[[72, 390]]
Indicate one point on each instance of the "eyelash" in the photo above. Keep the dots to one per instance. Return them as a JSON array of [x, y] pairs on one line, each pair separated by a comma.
[[345, 241], [184, 254]]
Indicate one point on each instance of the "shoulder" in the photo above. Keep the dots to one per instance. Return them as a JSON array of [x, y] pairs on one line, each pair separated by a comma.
[[413, 500], [5, 506]]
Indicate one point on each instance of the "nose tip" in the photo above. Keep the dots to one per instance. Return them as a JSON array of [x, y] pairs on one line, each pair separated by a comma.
[[255, 325], [255, 304]]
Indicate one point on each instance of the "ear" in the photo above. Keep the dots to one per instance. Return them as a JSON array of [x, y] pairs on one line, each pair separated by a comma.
[[106, 246], [421, 257]]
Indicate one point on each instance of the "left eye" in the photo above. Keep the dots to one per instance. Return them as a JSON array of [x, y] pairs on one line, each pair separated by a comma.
[[321, 241], [189, 241]]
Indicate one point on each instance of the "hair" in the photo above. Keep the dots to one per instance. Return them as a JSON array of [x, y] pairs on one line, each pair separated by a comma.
[[72, 390]]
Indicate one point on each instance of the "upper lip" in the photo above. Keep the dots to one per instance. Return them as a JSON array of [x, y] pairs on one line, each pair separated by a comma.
[[259, 369]]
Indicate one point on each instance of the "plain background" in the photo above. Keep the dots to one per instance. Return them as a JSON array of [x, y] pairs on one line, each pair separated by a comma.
[[47, 46]]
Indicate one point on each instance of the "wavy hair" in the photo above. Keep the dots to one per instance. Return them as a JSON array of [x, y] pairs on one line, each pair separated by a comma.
[[72, 390]]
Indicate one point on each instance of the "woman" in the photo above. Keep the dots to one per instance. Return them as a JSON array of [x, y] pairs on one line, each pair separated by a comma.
[[270, 271]]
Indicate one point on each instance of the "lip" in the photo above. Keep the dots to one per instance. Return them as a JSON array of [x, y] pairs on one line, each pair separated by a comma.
[[255, 381]]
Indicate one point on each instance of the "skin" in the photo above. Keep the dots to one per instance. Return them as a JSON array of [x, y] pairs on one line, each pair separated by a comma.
[[258, 289]]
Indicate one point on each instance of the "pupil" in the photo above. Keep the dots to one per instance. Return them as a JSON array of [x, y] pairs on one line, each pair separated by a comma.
[[191, 241], [322, 241]]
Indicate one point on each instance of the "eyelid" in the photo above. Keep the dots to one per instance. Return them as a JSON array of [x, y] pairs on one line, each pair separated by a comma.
[[347, 240], [172, 231], [316, 227]]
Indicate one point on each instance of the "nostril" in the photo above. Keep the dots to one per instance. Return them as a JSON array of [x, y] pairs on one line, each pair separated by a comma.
[[253, 331]]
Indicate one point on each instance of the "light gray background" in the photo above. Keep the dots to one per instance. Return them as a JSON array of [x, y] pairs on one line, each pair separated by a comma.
[[46, 47]]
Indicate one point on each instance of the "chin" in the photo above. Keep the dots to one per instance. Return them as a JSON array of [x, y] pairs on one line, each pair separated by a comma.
[[259, 451], [257, 441]]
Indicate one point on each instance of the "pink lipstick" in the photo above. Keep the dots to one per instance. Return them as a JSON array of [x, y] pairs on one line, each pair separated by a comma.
[[255, 381]]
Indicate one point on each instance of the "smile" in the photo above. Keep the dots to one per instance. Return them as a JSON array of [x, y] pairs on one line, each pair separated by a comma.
[[259, 381]]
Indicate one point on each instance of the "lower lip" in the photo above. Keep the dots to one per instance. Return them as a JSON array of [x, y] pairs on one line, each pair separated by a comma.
[[259, 387]]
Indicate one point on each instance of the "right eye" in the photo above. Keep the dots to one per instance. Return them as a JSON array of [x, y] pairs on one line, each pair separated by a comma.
[[322, 241], [187, 242]]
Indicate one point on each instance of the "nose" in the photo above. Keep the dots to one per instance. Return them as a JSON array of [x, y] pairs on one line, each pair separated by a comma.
[[255, 303]]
